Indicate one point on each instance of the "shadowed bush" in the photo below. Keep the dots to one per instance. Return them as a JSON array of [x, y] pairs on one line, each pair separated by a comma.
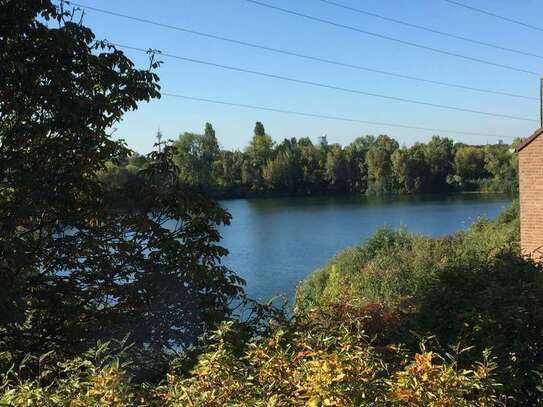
[[472, 289]]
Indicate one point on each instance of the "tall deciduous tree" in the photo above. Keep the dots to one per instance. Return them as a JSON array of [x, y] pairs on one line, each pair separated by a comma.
[[469, 162], [356, 153], [198, 158], [336, 170], [258, 153], [410, 169], [439, 154], [259, 130], [379, 162], [72, 269], [502, 164], [284, 171]]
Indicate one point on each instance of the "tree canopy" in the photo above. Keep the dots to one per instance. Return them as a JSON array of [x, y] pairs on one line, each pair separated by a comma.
[[74, 268], [368, 165]]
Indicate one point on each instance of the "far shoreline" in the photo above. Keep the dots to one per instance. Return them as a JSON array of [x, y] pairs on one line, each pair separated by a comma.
[[251, 197]]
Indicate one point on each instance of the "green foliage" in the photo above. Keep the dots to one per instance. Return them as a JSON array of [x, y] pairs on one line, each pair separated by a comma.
[[197, 156], [335, 170], [472, 289], [75, 269], [258, 153], [312, 362], [379, 163], [469, 162], [502, 165], [410, 169], [96, 378], [392, 263], [368, 165], [98, 243], [491, 304], [439, 154], [370, 271]]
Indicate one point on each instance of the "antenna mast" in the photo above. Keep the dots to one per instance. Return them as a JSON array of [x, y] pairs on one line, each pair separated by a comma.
[[159, 136], [541, 102]]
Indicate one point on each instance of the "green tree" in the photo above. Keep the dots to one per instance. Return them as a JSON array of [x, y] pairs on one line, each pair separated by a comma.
[[73, 269], [439, 155], [210, 154], [198, 158], [279, 174], [400, 168], [410, 169], [356, 153], [502, 164], [230, 168], [469, 162], [260, 150], [336, 170], [310, 163], [379, 163], [259, 130], [284, 171], [188, 159]]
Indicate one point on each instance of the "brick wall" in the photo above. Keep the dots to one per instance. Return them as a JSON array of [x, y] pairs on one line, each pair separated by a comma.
[[531, 198]]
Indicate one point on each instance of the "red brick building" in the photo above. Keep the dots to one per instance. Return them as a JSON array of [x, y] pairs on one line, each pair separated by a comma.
[[530, 154]]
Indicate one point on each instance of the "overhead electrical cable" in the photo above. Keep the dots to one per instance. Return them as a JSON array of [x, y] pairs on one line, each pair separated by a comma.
[[328, 117], [393, 39], [329, 86], [491, 14], [309, 57], [430, 30]]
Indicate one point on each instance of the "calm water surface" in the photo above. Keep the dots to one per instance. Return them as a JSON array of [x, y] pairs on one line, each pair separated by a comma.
[[276, 242]]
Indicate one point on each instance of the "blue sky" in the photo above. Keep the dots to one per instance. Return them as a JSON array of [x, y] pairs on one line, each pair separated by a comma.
[[242, 20]]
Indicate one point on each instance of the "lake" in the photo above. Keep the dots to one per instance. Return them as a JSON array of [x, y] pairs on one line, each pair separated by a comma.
[[275, 243]]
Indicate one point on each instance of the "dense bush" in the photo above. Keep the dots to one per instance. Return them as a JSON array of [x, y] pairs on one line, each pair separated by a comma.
[[305, 364], [472, 289], [313, 365], [394, 264]]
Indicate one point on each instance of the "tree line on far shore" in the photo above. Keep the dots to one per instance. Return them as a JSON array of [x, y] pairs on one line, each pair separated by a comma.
[[369, 165]]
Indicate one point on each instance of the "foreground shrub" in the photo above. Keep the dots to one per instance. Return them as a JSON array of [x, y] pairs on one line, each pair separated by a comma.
[[304, 364], [334, 368], [288, 368], [495, 304], [472, 289], [97, 378], [430, 380], [403, 320]]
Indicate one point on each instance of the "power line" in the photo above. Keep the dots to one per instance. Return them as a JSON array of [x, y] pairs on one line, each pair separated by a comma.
[[488, 13], [328, 117], [328, 86], [392, 39], [431, 30], [305, 56]]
